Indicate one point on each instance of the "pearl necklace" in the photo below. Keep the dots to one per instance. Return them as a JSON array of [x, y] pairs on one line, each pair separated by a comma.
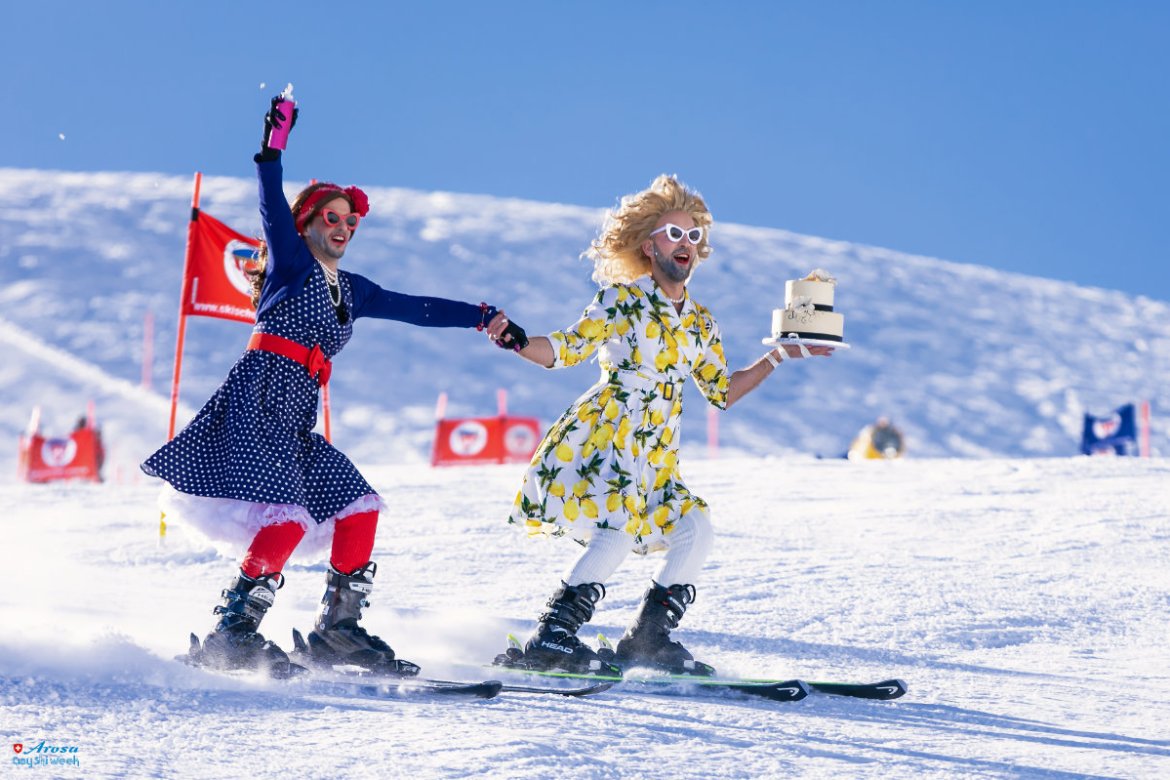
[[331, 283], [679, 299]]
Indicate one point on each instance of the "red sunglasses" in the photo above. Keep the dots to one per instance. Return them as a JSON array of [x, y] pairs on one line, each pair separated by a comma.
[[332, 218]]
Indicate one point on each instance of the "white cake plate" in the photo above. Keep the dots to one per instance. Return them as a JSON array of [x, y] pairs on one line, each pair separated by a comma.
[[797, 341]]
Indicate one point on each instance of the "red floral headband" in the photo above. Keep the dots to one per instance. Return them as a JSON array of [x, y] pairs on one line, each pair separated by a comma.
[[328, 191]]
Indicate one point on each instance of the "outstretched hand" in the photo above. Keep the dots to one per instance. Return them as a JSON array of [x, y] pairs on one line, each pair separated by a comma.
[[505, 333]]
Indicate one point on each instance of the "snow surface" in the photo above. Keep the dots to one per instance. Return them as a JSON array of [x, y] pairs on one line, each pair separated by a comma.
[[1025, 602]]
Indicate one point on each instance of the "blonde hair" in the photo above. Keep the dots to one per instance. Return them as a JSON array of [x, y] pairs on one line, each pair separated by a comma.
[[617, 251]]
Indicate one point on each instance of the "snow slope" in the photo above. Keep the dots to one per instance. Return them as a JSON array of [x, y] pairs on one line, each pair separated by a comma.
[[1024, 601], [1023, 598], [967, 360]]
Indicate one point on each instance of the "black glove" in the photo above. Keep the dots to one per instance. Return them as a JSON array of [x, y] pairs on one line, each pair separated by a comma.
[[274, 118], [518, 340]]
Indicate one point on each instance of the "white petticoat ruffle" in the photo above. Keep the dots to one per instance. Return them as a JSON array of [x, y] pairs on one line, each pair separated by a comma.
[[235, 523]]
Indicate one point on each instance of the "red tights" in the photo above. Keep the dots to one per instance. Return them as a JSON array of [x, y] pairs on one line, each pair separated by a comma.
[[353, 541]]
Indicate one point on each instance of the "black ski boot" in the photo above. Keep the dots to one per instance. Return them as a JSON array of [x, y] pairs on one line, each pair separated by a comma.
[[337, 638], [554, 645], [647, 643], [235, 643]]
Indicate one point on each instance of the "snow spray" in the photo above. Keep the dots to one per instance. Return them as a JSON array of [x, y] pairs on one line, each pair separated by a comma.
[[278, 137]]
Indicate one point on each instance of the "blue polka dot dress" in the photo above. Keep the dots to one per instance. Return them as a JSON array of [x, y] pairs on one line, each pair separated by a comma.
[[254, 440], [250, 457]]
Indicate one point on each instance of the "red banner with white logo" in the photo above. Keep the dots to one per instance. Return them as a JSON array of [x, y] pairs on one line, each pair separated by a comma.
[[485, 440], [218, 261], [77, 456]]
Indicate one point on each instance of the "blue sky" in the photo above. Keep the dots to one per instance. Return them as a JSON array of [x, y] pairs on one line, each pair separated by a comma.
[[1027, 136]]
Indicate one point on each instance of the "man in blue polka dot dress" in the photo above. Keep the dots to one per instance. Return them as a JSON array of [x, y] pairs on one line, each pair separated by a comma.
[[249, 466]]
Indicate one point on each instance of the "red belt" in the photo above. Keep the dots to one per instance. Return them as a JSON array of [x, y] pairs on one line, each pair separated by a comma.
[[313, 359]]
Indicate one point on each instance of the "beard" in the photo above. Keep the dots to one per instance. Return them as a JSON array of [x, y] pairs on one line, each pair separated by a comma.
[[321, 246], [670, 269]]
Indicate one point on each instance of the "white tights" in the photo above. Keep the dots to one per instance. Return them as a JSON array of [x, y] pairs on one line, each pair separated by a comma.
[[690, 544]]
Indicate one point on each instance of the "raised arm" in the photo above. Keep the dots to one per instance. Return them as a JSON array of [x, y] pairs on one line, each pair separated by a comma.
[[288, 259]]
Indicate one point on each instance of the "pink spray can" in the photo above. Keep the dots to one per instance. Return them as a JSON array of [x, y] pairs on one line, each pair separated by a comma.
[[278, 137]]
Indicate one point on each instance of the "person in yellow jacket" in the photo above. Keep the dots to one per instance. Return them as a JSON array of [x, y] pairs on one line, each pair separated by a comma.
[[607, 473], [878, 441]]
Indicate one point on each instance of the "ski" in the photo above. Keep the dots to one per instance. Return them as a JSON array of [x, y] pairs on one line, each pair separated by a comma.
[[382, 688], [352, 681], [781, 690], [577, 691], [775, 690], [652, 681], [882, 691]]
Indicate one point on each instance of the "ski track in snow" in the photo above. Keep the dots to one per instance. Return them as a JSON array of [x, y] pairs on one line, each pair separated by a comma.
[[1024, 601]]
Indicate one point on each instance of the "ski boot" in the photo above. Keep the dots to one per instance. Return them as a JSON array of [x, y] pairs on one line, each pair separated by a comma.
[[235, 643], [647, 642], [554, 645], [338, 640]]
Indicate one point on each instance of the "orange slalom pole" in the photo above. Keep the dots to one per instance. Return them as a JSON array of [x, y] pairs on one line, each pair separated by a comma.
[[184, 292], [192, 226]]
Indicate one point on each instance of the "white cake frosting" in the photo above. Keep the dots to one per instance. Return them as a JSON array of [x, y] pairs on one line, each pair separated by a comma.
[[808, 309]]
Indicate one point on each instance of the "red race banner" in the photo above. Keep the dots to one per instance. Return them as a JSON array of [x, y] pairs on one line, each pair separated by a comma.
[[485, 440], [218, 259], [77, 456]]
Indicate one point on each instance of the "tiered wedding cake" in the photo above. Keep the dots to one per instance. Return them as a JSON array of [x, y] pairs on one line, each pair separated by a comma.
[[808, 309]]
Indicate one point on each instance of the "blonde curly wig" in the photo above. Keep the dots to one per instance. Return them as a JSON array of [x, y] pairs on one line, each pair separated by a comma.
[[617, 251]]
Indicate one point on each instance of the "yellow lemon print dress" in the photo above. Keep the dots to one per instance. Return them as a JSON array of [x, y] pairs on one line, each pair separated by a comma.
[[611, 460]]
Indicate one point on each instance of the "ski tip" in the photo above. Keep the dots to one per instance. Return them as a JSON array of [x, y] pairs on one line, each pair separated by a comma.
[[792, 690], [881, 691], [895, 687], [603, 642], [513, 641], [788, 690], [299, 644]]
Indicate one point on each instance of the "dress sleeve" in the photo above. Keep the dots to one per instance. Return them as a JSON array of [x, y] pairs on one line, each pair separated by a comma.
[[710, 369], [370, 300], [578, 341], [287, 261]]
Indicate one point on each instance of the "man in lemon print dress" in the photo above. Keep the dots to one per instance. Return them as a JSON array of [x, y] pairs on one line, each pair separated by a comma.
[[606, 473]]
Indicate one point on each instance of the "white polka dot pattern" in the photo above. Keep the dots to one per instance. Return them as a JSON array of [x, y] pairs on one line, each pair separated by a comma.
[[253, 440]]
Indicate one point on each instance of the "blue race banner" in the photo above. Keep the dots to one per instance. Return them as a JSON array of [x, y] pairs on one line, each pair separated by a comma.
[[1115, 434]]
